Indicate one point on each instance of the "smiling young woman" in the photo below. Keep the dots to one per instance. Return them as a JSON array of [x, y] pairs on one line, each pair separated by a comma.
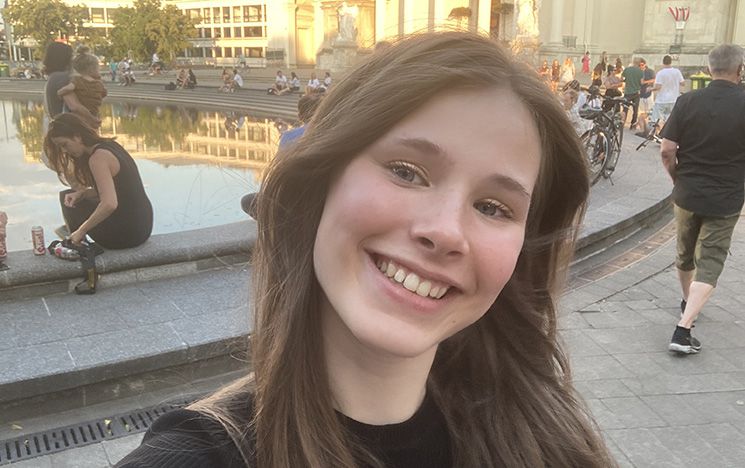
[[411, 249]]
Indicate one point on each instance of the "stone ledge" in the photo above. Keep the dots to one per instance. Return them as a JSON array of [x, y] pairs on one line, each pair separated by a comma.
[[192, 251]]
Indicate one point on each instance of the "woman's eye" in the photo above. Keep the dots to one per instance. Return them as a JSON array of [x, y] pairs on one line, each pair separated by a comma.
[[407, 172], [493, 209]]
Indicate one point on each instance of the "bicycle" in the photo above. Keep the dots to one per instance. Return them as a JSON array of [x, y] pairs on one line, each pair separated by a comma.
[[653, 135], [602, 143]]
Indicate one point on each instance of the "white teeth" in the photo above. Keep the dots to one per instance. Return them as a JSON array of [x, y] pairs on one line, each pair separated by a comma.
[[411, 281], [424, 288], [400, 276]]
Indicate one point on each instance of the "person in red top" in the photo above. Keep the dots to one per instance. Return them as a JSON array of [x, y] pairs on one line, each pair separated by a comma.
[[586, 63]]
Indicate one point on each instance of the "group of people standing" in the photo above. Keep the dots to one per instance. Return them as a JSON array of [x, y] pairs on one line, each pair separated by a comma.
[[106, 201], [558, 75], [648, 92]]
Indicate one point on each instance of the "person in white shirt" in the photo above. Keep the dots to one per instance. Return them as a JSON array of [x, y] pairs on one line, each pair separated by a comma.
[[667, 85], [280, 84], [313, 84], [294, 82], [237, 80], [326, 81]]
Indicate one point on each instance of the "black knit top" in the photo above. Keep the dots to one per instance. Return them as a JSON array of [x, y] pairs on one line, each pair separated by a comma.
[[188, 439]]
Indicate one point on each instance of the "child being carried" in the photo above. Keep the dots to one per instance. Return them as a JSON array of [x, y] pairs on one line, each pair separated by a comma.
[[86, 84]]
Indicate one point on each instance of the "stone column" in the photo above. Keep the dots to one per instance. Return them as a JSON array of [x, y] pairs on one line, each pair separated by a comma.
[[380, 24], [557, 23], [582, 27], [291, 54], [318, 23], [738, 32]]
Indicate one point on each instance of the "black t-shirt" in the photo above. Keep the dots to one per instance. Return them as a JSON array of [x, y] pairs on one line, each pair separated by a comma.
[[188, 439], [646, 90], [709, 127]]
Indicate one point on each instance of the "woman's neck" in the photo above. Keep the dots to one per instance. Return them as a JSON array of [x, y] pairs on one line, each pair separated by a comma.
[[370, 385]]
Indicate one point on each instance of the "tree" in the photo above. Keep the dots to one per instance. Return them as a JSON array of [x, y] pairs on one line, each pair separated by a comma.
[[146, 28], [171, 30], [44, 20]]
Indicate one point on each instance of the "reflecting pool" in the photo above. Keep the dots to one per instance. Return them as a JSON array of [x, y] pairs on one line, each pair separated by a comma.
[[195, 164]]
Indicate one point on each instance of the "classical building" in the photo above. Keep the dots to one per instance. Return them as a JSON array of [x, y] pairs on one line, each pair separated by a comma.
[[296, 33], [639, 28]]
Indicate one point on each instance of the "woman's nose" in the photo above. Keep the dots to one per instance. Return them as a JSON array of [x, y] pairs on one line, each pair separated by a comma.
[[440, 229]]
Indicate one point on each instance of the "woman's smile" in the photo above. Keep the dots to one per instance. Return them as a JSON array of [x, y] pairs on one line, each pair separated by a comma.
[[445, 194]]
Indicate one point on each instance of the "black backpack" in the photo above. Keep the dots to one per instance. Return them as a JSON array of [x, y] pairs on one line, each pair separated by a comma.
[[171, 86]]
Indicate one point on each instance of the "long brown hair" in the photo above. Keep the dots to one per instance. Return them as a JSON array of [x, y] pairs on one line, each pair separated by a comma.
[[69, 125], [503, 384]]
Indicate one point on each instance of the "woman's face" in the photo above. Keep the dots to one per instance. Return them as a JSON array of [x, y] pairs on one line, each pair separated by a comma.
[[421, 231], [72, 146]]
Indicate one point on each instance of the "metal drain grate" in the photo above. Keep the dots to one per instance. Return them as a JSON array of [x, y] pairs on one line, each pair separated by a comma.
[[78, 435]]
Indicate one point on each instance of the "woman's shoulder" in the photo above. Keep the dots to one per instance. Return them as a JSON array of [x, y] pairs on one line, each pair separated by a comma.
[[182, 439]]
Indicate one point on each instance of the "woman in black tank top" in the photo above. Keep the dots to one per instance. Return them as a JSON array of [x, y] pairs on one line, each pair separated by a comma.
[[113, 209]]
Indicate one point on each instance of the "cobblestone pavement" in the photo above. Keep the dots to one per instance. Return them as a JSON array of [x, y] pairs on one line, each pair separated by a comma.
[[656, 408]]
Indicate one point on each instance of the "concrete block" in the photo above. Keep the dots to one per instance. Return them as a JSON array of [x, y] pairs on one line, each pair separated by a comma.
[[725, 440], [155, 311], [666, 384], [598, 368], [649, 338], [579, 344], [643, 448], [620, 319], [640, 364], [607, 388], [32, 362], [124, 345], [632, 412], [687, 443], [571, 321]]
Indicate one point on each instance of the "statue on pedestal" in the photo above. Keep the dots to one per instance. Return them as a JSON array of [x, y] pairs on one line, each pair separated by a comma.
[[526, 42], [347, 23], [527, 17]]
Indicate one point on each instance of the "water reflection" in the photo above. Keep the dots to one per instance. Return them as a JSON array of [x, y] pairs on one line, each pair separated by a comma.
[[195, 164]]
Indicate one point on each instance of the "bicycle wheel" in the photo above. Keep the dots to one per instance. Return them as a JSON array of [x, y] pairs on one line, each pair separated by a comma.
[[596, 145], [610, 163], [619, 122]]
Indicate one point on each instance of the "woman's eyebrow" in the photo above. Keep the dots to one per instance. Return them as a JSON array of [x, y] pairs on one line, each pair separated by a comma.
[[510, 184], [424, 146]]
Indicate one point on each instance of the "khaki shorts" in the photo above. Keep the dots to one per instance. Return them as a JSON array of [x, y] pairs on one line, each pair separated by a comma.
[[645, 105], [703, 243], [662, 110]]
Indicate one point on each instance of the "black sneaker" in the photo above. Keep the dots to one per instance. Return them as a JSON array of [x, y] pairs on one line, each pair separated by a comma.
[[683, 343]]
